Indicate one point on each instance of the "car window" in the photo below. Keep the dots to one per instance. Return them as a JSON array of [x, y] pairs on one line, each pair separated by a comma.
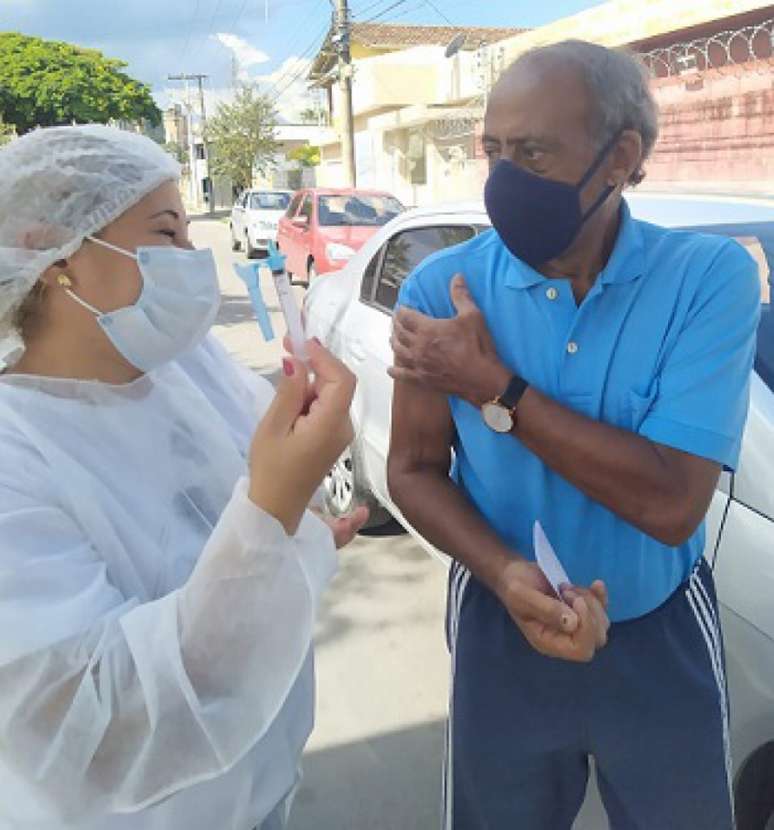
[[406, 250], [293, 206], [360, 210], [758, 239], [369, 277], [306, 207], [269, 201]]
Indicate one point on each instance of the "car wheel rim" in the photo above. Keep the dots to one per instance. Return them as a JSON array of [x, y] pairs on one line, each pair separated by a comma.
[[340, 485]]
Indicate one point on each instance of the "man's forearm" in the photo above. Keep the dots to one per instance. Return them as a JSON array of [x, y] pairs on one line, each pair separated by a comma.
[[436, 508], [619, 469]]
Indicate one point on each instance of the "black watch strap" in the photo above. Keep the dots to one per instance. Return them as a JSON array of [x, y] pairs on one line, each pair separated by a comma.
[[513, 394]]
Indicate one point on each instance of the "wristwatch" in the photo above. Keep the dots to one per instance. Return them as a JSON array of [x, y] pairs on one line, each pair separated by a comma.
[[500, 414]]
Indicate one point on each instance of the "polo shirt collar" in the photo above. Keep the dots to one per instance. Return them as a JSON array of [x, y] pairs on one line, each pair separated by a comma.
[[626, 263]]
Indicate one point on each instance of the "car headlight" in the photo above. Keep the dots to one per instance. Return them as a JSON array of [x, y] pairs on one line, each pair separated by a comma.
[[337, 251]]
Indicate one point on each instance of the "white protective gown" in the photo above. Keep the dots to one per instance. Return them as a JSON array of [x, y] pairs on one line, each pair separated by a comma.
[[155, 625]]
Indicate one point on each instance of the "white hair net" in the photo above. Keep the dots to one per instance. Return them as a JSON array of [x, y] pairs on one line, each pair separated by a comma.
[[60, 184]]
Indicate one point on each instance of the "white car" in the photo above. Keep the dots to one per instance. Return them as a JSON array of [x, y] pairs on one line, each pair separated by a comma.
[[350, 311], [254, 219]]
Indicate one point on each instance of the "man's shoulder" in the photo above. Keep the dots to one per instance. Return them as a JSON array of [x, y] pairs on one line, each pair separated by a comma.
[[482, 244], [427, 287], [700, 248], [701, 271]]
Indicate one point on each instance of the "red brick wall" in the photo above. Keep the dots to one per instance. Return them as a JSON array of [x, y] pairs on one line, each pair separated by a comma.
[[717, 130]]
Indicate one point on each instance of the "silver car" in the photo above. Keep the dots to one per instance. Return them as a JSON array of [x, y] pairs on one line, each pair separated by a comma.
[[254, 220], [350, 311]]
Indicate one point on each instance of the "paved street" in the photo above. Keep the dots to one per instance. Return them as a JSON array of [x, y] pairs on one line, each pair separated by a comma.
[[374, 761], [375, 758]]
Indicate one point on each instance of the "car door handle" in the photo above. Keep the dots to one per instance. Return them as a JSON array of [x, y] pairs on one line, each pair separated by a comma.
[[357, 351]]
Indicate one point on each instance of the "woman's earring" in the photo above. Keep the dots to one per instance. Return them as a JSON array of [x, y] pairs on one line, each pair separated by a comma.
[[64, 281]]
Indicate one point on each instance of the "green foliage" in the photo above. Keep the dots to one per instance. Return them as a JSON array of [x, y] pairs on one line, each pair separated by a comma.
[[241, 137], [306, 156], [314, 115], [46, 82], [7, 132], [174, 149]]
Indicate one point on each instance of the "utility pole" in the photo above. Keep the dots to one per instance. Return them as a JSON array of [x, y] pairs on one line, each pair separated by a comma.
[[199, 78], [341, 39]]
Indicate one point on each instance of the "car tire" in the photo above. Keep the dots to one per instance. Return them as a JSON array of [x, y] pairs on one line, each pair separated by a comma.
[[252, 253], [236, 245], [344, 491], [754, 796]]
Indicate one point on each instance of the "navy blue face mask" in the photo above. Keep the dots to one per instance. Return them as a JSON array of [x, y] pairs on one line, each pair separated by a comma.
[[537, 218]]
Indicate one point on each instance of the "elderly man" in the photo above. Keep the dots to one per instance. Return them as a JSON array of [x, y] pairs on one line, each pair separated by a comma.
[[591, 372]]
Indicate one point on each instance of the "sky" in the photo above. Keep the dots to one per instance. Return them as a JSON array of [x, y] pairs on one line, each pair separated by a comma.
[[158, 38]]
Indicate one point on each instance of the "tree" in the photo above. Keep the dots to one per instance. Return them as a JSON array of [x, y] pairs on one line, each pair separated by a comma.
[[174, 149], [241, 137], [306, 156], [7, 132], [313, 115], [44, 83]]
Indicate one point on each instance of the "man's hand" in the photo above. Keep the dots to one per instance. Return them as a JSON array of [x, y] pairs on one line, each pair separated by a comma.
[[574, 632], [455, 357], [345, 528]]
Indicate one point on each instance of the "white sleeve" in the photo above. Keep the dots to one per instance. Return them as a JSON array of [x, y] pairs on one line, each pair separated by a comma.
[[110, 705]]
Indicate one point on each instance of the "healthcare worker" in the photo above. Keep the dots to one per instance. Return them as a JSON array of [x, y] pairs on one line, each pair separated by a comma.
[[159, 568]]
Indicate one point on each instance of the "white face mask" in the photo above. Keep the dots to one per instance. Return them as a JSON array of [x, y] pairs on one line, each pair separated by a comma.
[[178, 304]]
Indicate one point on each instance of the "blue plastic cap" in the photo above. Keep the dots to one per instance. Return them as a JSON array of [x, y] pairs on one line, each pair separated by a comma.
[[276, 260]]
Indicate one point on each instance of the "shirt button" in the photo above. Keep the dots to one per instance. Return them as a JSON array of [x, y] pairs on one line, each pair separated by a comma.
[[572, 347], [552, 293]]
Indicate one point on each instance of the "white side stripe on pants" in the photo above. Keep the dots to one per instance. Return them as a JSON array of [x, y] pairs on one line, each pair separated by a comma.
[[459, 582], [704, 612]]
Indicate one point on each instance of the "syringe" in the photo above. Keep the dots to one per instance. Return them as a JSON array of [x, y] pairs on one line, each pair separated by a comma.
[[287, 301]]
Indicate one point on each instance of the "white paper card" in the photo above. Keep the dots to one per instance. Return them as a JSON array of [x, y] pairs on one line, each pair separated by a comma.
[[548, 561]]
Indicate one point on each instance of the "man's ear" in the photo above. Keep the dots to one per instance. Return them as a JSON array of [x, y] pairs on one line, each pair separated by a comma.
[[626, 158]]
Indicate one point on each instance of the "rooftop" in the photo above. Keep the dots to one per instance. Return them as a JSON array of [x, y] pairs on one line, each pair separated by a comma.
[[393, 37]]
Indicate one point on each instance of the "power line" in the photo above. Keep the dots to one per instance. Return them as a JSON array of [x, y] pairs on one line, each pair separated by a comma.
[[239, 15], [291, 48], [190, 31], [360, 12], [214, 15], [438, 11], [296, 69], [411, 10], [395, 5]]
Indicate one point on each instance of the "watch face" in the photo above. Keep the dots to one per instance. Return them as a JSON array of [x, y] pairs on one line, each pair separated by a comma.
[[497, 417]]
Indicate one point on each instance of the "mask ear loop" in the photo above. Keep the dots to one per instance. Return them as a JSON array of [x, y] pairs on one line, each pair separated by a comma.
[[111, 247], [598, 162], [66, 283]]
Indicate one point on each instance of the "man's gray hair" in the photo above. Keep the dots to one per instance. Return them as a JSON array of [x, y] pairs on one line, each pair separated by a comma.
[[619, 87]]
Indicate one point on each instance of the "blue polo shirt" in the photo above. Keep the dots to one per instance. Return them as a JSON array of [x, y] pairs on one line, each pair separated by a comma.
[[663, 346]]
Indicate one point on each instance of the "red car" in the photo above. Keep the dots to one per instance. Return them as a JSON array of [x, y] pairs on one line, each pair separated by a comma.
[[323, 228]]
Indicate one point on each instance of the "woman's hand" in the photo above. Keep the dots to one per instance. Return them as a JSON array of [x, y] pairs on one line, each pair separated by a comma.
[[305, 430], [345, 528]]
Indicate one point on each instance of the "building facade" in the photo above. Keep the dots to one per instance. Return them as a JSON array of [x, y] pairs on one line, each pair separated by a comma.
[[419, 114]]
